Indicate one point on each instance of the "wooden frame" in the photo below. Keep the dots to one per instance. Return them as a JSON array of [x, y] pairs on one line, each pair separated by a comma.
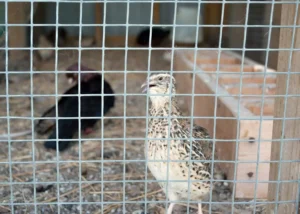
[[99, 20], [156, 13], [212, 16], [231, 127], [18, 13], [282, 148]]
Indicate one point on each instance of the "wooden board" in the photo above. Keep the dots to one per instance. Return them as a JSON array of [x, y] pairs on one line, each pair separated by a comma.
[[120, 41], [286, 135], [230, 128], [18, 13], [156, 13], [99, 20], [248, 151], [212, 16]]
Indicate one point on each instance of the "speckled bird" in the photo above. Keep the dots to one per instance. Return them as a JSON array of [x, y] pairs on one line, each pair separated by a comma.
[[183, 144]]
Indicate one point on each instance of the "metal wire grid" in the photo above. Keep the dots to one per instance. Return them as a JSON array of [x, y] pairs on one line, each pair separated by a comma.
[[261, 117], [256, 36], [285, 108]]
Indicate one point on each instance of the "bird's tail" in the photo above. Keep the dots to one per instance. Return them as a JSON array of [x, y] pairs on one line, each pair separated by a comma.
[[44, 125], [66, 130], [220, 177], [221, 185]]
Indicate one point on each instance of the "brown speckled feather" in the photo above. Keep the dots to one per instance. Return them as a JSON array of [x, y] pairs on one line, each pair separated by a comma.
[[174, 133]]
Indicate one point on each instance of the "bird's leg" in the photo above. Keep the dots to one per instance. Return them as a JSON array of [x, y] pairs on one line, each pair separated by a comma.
[[200, 208], [170, 208], [88, 131]]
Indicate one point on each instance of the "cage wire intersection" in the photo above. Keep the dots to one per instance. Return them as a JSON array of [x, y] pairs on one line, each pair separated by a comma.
[[107, 172]]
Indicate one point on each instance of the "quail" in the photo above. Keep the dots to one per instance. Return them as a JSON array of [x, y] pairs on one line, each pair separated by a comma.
[[172, 142]]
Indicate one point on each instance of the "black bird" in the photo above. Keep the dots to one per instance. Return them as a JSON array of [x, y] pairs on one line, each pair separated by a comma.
[[68, 107], [158, 36]]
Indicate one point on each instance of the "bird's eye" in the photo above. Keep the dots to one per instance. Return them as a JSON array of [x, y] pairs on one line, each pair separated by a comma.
[[160, 78]]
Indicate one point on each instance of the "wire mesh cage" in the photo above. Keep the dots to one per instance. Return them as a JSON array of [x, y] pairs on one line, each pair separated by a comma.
[[153, 106]]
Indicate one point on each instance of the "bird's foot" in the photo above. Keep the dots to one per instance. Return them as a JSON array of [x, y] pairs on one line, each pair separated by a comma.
[[88, 131], [200, 208], [170, 209]]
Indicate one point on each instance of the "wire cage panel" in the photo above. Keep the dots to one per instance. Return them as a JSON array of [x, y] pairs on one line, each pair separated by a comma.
[[246, 146], [250, 110]]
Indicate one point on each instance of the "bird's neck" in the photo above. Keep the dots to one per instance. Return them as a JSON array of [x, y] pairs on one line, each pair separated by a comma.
[[164, 108]]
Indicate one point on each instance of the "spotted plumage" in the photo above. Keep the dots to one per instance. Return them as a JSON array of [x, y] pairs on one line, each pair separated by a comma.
[[190, 152]]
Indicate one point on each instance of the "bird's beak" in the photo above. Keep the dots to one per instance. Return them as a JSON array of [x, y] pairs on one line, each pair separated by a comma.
[[147, 85], [70, 80], [144, 86]]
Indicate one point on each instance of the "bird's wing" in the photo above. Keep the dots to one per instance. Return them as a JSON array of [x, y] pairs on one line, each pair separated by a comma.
[[44, 125], [202, 140], [202, 149], [197, 148], [201, 143], [206, 146]]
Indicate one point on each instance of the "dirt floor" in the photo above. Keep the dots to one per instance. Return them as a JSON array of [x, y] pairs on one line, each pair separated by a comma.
[[114, 189]]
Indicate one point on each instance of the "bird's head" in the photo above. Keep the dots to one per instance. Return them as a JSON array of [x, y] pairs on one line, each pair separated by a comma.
[[75, 70], [159, 87], [72, 77]]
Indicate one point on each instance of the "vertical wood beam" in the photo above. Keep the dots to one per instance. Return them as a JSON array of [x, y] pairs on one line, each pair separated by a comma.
[[274, 44], [212, 16], [286, 148], [99, 20], [17, 14], [156, 13]]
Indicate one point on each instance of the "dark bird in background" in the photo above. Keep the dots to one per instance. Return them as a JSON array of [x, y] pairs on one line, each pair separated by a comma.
[[62, 36], [158, 36], [90, 83]]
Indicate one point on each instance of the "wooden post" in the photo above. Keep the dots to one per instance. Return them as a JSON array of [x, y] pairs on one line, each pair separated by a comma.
[[273, 55], [288, 190], [212, 16], [98, 20], [156, 13], [18, 13]]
